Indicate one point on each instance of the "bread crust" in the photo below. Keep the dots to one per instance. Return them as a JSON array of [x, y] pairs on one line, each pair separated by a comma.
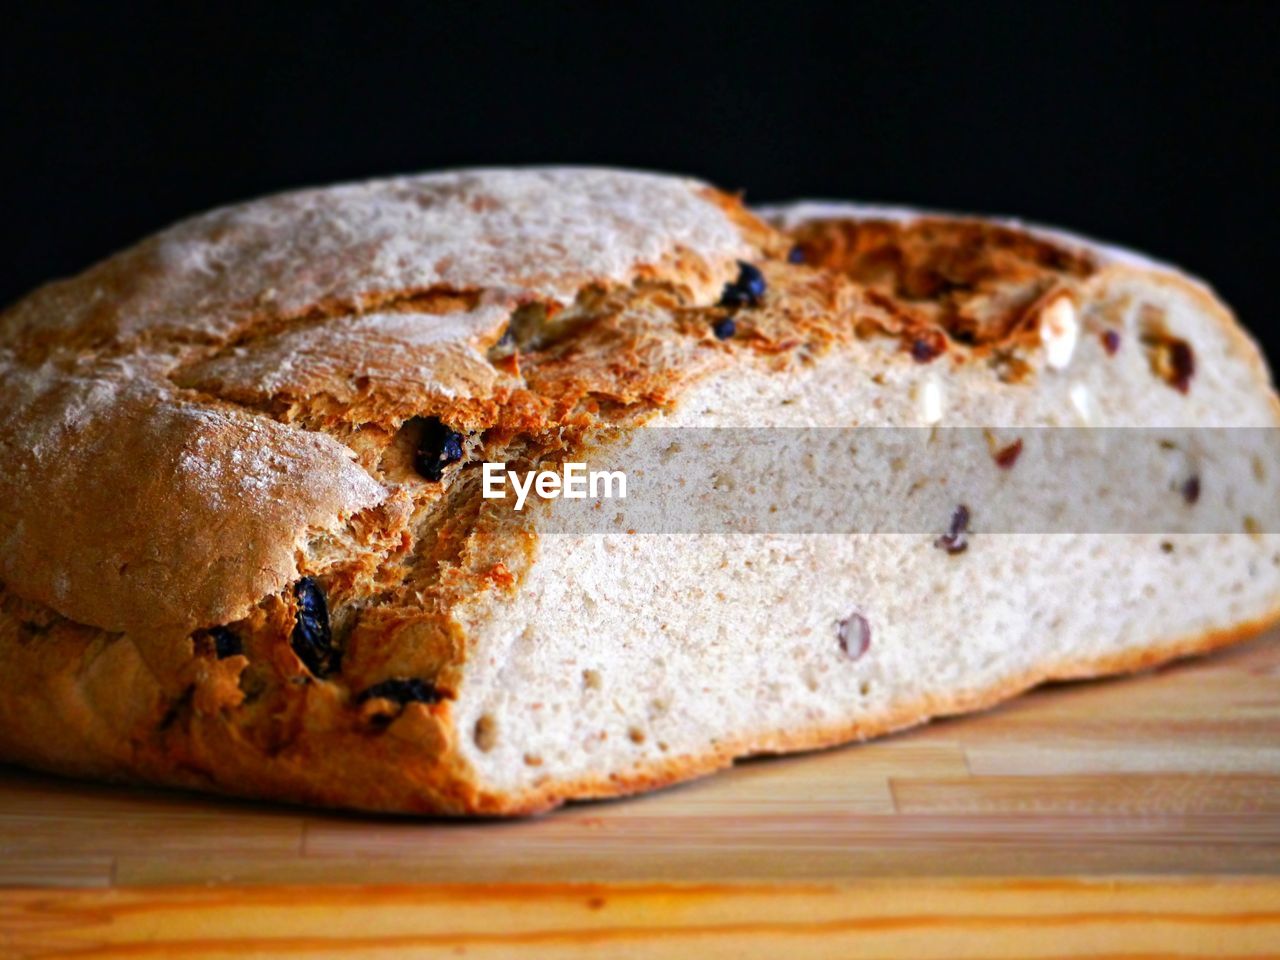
[[1100, 262], [194, 425]]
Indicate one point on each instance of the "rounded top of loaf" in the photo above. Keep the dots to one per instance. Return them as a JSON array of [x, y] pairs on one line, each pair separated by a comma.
[[149, 483], [515, 234], [797, 213]]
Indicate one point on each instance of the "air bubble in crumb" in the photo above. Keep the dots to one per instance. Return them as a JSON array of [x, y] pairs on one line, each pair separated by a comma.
[[485, 734], [591, 679]]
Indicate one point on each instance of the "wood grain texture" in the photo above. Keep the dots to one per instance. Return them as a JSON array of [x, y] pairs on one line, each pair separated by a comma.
[[879, 918], [1117, 818]]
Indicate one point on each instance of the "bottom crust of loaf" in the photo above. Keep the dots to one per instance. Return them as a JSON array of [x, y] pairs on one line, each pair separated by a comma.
[[453, 793], [655, 776]]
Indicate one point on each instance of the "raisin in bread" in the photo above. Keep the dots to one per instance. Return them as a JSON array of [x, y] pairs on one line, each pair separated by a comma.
[[246, 548]]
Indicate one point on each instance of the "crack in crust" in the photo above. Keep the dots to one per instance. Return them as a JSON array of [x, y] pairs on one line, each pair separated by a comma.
[[980, 284]]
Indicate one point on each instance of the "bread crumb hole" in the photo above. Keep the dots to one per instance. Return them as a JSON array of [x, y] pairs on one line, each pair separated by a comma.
[[485, 734], [592, 680], [636, 735]]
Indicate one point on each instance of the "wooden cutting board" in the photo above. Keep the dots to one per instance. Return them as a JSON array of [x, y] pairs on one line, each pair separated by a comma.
[[1118, 817]]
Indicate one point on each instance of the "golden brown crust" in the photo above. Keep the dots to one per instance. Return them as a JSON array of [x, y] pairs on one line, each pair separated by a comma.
[[91, 460], [194, 425], [947, 281]]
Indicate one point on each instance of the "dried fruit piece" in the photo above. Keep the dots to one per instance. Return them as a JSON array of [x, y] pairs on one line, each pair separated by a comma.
[[312, 638], [225, 643], [1006, 457], [724, 328], [1182, 365], [438, 447], [402, 690], [956, 540], [927, 348], [747, 290], [796, 254], [1191, 489], [1172, 359], [1110, 342], [854, 635]]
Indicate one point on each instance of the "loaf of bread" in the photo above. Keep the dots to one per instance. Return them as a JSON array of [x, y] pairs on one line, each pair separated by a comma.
[[247, 550]]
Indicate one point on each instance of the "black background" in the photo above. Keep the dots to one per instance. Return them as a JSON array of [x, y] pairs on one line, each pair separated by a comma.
[[1149, 124]]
